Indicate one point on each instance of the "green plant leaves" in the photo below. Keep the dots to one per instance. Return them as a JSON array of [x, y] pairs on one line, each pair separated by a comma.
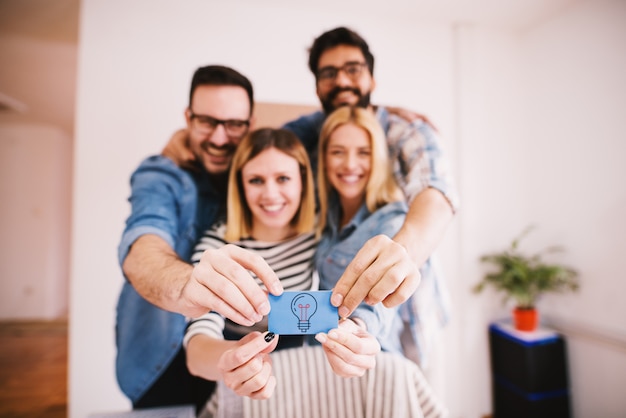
[[524, 278]]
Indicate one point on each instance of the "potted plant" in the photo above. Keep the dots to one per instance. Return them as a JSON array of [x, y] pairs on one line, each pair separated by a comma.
[[524, 278]]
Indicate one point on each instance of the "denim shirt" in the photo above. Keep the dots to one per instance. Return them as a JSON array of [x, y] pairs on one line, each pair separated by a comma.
[[308, 129], [339, 246], [176, 205]]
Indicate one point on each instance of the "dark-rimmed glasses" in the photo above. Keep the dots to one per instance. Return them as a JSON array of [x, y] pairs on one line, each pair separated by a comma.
[[352, 69], [205, 124]]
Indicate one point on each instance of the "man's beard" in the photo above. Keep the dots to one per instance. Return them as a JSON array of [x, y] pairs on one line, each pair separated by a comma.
[[219, 151], [327, 103]]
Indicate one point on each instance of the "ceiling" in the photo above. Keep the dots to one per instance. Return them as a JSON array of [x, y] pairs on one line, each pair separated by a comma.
[[57, 22]]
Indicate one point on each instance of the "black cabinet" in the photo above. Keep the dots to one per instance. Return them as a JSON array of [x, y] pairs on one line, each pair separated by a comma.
[[529, 373]]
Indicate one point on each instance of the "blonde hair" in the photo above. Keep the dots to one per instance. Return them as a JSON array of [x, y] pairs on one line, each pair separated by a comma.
[[381, 187], [238, 213]]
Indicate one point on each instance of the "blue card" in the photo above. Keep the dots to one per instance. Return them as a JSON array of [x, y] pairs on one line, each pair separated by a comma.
[[302, 312]]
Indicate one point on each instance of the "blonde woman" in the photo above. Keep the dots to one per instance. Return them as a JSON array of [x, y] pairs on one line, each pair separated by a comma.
[[359, 199]]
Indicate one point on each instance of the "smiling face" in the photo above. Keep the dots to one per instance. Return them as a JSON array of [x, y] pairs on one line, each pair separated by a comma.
[[344, 89], [215, 149], [273, 188], [348, 161]]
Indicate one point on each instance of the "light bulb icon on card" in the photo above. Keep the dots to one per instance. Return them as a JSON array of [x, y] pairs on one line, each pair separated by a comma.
[[304, 306]]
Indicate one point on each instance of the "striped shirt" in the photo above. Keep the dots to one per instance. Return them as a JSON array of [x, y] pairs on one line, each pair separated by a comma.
[[291, 260], [306, 387]]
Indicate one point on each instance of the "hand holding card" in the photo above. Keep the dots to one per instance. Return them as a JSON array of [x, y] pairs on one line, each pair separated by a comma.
[[302, 313]]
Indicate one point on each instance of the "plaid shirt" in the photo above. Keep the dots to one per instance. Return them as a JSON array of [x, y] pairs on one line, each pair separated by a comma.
[[418, 160], [419, 163]]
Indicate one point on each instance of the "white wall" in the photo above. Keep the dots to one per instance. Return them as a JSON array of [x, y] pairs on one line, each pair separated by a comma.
[[576, 99], [498, 96], [576, 104], [35, 179], [35, 185], [487, 85]]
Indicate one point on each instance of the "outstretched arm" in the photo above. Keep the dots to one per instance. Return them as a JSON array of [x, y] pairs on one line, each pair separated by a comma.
[[428, 218], [219, 282], [384, 270]]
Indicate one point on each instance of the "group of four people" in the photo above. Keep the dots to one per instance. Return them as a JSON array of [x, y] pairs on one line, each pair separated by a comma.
[[255, 227]]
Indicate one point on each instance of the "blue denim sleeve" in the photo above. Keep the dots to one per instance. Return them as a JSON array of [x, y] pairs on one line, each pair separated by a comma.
[[335, 258], [158, 190], [307, 128]]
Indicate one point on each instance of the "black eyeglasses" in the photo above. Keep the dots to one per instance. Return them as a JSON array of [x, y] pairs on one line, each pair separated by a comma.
[[352, 69], [205, 124]]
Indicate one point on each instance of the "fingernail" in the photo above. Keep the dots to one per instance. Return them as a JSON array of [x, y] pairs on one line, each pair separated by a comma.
[[257, 318], [343, 312], [336, 299], [277, 290], [269, 337], [264, 308], [321, 337], [333, 334]]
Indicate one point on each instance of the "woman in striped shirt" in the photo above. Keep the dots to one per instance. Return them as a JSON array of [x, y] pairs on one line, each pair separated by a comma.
[[270, 212]]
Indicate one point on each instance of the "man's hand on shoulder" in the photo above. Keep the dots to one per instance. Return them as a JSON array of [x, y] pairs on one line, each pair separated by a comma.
[[177, 149], [409, 115]]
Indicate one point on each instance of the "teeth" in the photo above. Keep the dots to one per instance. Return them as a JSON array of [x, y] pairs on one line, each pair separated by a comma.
[[350, 178], [272, 208], [217, 152]]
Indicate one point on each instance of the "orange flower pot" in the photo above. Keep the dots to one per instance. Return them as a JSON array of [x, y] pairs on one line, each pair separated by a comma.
[[525, 319]]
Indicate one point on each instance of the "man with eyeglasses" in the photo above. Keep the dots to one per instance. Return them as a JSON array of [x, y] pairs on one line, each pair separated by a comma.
[[170, 208], [343, 67]]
